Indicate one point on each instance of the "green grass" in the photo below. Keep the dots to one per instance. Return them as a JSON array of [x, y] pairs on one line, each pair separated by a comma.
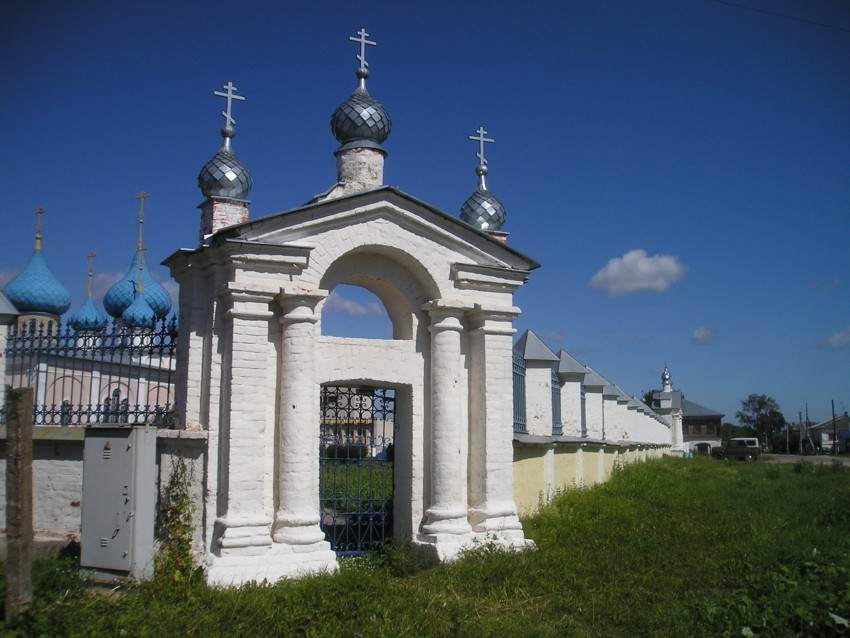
[[668, 548]]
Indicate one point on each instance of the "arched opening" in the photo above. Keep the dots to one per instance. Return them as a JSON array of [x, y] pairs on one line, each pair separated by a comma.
[[355, 312], [371, 480]]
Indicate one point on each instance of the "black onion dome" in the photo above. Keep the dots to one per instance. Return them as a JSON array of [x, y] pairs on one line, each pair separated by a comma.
[[483, 210], [360, 117]]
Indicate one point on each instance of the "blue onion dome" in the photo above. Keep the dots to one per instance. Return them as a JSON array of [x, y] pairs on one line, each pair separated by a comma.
[[88, 318], [139, 314], [360, 121], [224, 175], [36, 289], [122, 294], [483, 210]]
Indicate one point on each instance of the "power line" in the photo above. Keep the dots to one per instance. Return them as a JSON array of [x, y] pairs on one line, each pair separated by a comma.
[[782, 15]]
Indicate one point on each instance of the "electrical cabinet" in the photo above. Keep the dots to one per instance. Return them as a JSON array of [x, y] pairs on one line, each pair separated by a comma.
[[119, 502]]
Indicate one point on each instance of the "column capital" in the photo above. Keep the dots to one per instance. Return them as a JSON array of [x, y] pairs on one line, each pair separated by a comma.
[[246, 302], [492, 319], [446, 314], [299, 304]]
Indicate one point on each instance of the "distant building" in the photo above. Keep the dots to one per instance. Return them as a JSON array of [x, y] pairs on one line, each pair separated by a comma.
[[701, 426], [826, 432]]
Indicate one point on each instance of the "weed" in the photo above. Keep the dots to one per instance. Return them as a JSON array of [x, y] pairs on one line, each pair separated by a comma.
[[805, 467], [174, 560]]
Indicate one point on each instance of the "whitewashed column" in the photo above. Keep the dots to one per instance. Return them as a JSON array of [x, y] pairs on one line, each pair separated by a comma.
[[447, 513], [491, 498], [245, 523], [594, 420], [297, 519], [191, 396], [571, 374]]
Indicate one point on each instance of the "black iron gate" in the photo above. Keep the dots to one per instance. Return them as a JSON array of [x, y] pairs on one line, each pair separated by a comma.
[[356, 467]]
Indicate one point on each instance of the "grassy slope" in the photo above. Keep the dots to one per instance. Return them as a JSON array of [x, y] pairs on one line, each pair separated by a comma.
[[670, 548]]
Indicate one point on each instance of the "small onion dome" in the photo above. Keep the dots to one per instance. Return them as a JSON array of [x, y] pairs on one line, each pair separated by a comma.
[[122, 294], [88, 318], [224, 175], [665, 376], [139, 314], [483, 210], [37, 290], [360, 121]]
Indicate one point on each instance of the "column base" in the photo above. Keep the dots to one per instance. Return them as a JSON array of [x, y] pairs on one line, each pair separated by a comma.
[[495, 518], [452, 522], [243, 534], [272, 564], [450, 547], [298, 531]]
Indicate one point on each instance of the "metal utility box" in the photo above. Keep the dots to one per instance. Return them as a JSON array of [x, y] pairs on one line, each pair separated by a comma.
[[119, 502]]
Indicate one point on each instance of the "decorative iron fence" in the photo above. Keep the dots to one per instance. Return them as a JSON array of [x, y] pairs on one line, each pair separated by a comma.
[[117, 375], [519, 393], [557, 426], [356, 467]]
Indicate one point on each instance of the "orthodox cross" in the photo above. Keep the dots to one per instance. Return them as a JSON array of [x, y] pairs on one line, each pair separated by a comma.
[[141, 196], [92, 255], [38, 215], [363, 42], [481, 139], [229, 96]]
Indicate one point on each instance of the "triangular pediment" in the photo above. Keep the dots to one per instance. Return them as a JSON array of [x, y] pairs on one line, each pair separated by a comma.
[[368, 209]]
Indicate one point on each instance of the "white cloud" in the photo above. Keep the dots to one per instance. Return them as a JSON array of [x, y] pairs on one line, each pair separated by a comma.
[[838, 340], [636, 272], [336, 302], [554, 335], [703, 335]]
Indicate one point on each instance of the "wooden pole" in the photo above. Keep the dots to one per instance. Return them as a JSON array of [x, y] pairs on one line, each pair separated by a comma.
[[19, 537]]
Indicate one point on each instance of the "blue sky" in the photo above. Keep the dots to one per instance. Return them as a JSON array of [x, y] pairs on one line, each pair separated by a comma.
[[681, 169]]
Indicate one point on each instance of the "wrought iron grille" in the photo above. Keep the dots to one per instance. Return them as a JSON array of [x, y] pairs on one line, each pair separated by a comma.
[[118, 375], [557, 427], [519, 393], [356, 467]]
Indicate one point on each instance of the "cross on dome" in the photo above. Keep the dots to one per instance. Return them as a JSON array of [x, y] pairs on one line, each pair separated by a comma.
[[361, 57], [38, 214], [141, 196], [481, 139], [91, 255], [230, 95], [482, 209]]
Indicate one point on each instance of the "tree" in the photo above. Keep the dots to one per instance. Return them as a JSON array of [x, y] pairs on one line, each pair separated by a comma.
[[730, 431], [647, 397], [761, 413]]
